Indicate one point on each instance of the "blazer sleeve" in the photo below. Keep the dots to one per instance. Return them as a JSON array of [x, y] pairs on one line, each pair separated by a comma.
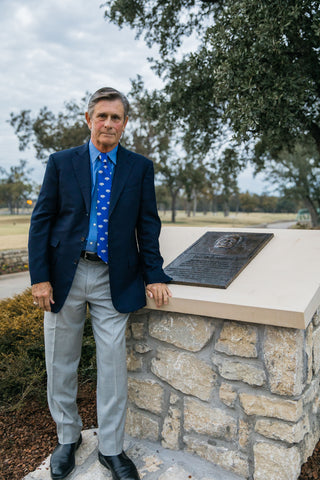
[[42, 219], [148, 231]]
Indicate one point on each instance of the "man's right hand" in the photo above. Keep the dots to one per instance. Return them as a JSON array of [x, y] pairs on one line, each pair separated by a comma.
[[43, 295]]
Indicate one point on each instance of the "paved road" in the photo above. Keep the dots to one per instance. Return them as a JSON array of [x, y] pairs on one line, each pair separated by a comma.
[[280, 225], [13, 284]]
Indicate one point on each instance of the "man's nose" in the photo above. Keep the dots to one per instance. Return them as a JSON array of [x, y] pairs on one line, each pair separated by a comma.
[[107, 122]]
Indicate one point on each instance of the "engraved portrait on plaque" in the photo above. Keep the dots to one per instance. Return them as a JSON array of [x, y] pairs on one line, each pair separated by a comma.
[[217, 258]]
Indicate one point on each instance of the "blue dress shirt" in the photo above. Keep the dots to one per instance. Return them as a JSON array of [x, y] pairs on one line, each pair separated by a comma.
[[91, 244]]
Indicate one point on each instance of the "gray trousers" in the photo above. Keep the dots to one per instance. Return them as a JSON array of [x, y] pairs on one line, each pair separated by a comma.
[[63, 340]]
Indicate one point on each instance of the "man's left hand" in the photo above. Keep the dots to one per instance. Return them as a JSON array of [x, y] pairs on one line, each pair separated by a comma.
[[160, 292]]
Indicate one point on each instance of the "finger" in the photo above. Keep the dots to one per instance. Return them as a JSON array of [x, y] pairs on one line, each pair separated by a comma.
[[47, 305], [159, 297], [165, 297]]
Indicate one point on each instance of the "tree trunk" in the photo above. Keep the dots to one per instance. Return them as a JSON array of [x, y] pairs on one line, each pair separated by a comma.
[[195, 199], [214, 206], [188, 210], [226, 209], [315, 218], [11, 208], [173, 205], [315, 132]]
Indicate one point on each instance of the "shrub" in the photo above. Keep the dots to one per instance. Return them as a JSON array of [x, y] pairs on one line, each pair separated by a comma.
[[22, 361]]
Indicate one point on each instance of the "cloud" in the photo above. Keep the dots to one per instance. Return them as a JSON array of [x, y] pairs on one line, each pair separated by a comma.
[[57, 50]]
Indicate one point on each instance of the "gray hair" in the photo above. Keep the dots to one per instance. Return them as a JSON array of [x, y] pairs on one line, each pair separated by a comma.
[[107, 93]]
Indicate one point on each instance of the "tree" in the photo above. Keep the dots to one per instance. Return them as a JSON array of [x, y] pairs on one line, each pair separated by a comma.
[[151, 137], [229, 167], [48, 132], [249, 202], [15, 186], [297, 174], [193, 177], [256, 68]]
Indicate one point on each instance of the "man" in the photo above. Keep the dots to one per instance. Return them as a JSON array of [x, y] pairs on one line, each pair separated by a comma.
[[94, 242]]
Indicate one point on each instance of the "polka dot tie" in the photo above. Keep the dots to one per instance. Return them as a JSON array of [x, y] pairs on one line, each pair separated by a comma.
[[104, 182]]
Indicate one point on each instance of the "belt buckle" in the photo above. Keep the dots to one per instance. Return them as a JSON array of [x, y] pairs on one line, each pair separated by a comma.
[[85, 255]]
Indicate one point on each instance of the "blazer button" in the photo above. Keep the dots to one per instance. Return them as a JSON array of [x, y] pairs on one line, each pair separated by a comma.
[[83, 239]]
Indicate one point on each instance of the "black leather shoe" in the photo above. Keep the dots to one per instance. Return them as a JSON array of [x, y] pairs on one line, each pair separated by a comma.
[[62, 459], [120, 466]]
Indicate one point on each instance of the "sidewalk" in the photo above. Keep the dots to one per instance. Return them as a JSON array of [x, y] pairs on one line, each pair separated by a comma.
[[13, 283], [152, 461]]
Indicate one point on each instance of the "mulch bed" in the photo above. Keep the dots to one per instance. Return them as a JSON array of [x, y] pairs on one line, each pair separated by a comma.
[[29, 436]]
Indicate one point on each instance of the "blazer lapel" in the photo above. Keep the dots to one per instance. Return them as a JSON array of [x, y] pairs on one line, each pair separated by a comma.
[[121, 173], [81, 165]]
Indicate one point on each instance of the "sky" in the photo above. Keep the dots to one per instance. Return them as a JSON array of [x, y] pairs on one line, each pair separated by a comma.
[[53, 51]]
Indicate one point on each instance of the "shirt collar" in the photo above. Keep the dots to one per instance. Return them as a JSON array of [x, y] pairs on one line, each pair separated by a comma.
[[94, 153]]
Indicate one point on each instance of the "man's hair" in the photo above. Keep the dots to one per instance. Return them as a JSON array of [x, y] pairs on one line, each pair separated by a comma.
[[107, 93]]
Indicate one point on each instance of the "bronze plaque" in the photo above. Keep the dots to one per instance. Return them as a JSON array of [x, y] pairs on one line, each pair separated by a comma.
[[217, 258]]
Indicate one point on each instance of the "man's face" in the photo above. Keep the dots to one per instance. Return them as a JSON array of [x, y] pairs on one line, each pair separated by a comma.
[[107, 124]]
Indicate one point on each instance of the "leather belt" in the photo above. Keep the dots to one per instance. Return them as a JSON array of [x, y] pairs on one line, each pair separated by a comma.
[[91, 256]]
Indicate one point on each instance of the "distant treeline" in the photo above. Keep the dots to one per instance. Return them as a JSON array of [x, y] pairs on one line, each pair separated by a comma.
[[242, 202]]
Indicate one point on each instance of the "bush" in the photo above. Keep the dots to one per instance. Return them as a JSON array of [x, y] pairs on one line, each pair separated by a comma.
[[22, 360]]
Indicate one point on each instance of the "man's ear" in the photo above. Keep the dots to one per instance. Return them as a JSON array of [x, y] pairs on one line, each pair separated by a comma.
[[125, 123], [88, 119]]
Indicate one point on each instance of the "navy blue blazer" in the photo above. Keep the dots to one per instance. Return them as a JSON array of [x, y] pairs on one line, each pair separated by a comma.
[[60, 224]]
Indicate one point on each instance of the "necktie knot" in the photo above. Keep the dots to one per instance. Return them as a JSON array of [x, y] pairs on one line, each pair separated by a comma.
[[103, 157]]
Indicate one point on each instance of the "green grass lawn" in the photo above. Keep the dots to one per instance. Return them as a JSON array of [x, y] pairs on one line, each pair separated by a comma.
[[14, 231], [233, 220]]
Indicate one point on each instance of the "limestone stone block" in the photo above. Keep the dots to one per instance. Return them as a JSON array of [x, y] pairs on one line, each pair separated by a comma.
[[146, 394], [174, 399], [309, 352], [223, 457], [88, 445], [283, 354], [290, 410], [140, 425], [275, 462], [190, 332], [140, 347], [310, 441], [311, 392], [137, 330], [286, 432], [316, 405], [244, 433], [316, 351], [227, 394], [171, 429], [206, 420], [95, 471], [134, 362], [238, 339], [316, 318], [176, 473], [128, 332], [151, 462], [240, 370], [185, 372]]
